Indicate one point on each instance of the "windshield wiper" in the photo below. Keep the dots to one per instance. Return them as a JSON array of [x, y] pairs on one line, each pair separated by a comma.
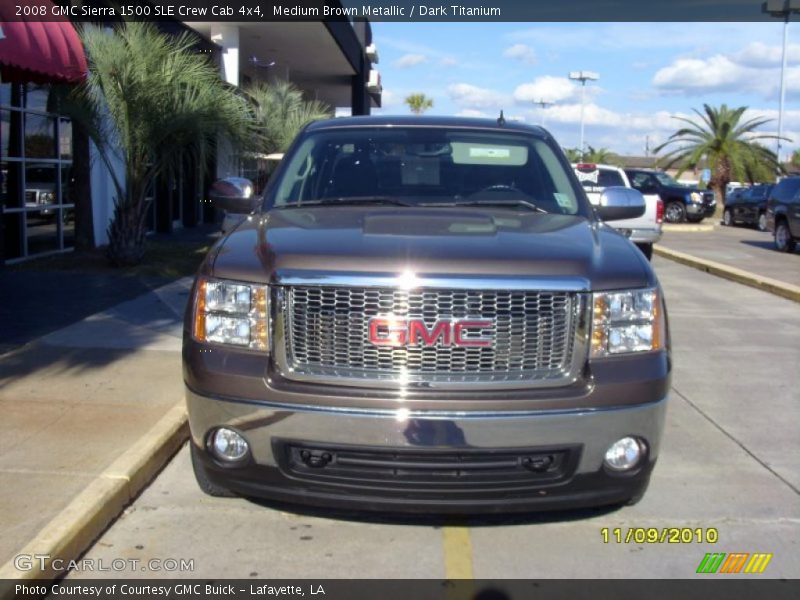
[[349, 200], [497, 202]]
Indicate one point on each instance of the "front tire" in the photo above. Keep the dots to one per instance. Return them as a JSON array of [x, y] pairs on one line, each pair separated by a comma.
[[784, 242], [201, 475], [675, 212], [727, 218]]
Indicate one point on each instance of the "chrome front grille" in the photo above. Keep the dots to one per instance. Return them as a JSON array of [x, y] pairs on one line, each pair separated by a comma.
[[326, 335]]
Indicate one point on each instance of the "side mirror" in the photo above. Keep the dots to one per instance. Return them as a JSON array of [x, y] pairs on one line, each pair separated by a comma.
[[618, 203], [233, 195]]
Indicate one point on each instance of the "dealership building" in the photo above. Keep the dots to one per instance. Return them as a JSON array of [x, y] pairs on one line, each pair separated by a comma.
[[48, 172]]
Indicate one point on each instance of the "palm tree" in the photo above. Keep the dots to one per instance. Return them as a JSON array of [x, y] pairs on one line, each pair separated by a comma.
[[280, 113], [150, 103], [599, 155], [573, 155], [729, 147], [418, 103]]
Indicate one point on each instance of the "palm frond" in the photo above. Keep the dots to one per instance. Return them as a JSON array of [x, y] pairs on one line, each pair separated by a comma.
[[729, 146]]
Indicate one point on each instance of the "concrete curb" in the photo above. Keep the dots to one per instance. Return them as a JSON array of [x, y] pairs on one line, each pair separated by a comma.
[[767, 284], [74, 529], [688, 227]]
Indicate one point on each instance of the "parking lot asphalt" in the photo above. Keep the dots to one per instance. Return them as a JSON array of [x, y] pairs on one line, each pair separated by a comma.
[[740, 247], [730, 461]]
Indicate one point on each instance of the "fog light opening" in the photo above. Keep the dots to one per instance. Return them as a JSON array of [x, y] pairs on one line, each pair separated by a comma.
[[228, 445], [625, 454]]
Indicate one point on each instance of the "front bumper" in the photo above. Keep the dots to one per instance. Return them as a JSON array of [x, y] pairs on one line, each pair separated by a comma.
[[698, 209], [642, 236], [581, 435]]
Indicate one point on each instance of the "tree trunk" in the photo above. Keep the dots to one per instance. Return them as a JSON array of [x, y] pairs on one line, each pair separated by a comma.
[[126, 234], [719, 196], [719, 181]]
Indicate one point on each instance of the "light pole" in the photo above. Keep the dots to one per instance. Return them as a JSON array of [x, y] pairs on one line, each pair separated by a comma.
[[583, 77], [543, 104], [781, 9]]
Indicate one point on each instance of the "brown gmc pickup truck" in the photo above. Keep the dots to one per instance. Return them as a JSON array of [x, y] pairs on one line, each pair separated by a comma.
[[426, 314]]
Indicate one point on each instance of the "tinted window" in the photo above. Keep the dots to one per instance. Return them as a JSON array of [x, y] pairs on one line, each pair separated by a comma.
[[420, 165], [757, 192], [787, 188], [641, 179], [735, 196]]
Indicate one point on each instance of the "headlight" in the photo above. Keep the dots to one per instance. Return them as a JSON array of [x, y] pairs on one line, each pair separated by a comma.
[[47, 198], [628, 321], [228, 312], [695, 197]]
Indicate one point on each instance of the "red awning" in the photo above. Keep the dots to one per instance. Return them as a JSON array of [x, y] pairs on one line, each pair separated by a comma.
[[39, 51]]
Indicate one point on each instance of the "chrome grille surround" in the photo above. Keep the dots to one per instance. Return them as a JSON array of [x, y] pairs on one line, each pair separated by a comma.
[[540, 336]]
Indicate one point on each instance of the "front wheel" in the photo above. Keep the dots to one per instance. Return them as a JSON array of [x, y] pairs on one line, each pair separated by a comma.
[[727, 218], [675, 212], [762, 222], [784, 241], [203, 481]]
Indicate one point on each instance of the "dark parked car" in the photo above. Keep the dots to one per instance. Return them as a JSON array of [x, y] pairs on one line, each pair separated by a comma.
[[427, 314], [681, 202], [748, 206], [783, 213]]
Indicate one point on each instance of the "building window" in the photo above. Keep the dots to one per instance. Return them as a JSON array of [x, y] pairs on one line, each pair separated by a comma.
[[37, 206]]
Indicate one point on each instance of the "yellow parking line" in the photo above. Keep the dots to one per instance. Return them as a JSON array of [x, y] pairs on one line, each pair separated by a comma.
[[457, 553]]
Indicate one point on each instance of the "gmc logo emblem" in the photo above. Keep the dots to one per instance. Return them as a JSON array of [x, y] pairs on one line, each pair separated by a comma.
[[398, 332]]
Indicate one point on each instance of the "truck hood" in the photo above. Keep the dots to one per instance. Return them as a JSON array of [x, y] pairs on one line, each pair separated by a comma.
[[430, 242], [679, 190]]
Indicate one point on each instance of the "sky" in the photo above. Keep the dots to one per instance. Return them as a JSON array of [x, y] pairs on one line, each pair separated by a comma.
[[649, 73]]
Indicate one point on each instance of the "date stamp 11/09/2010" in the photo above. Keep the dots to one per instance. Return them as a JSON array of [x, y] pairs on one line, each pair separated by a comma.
[[659, 535]]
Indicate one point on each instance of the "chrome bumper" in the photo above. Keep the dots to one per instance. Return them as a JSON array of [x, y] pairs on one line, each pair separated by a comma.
[[261, 423], [644, 236]]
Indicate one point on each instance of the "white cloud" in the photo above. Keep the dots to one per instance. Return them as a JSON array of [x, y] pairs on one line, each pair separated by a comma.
[[410, 60], [695, 75], [754, 69], [522, 53], [472, 96], [448, 61], [547, 88], [758, 54]]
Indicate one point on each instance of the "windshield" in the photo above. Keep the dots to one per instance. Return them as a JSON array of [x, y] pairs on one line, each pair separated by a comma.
[[665, 179], [422, 166]]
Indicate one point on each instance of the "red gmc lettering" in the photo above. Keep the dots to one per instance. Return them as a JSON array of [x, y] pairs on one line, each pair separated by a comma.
[[460, 326], [399, 332], [417, 330], [388, 332]]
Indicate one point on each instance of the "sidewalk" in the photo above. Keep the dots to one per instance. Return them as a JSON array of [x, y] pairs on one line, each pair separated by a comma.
[[738, 247], [77, 399]]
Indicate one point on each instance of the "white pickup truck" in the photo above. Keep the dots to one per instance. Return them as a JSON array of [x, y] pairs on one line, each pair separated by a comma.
[[643, 231]]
